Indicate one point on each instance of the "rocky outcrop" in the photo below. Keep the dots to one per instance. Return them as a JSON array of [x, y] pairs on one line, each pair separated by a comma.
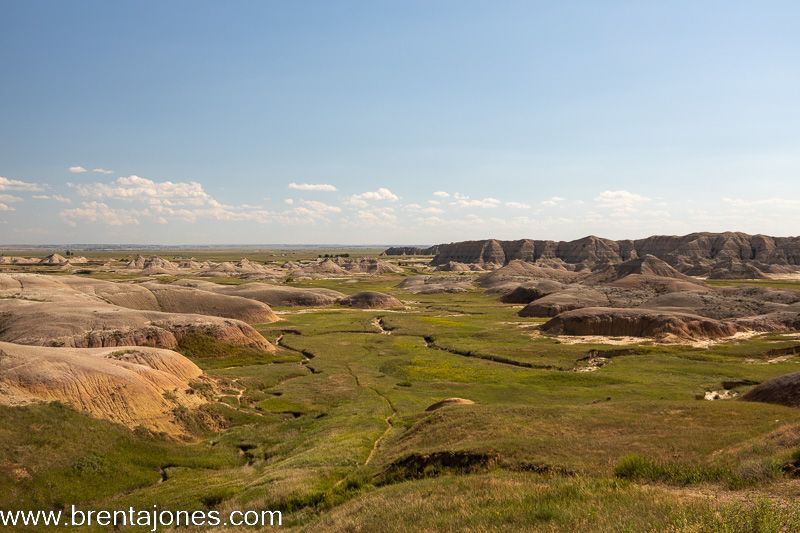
[[368, 265], [131, 386], [611, 322], [694, 254], [81, 313], [647, 265], [53, 259], [411, 250]]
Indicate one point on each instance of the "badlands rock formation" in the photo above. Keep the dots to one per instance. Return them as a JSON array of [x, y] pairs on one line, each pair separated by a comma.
[[412, 250], [76, 312], [367, 265], [133, 386], [709, 254], [436, 284], [782, 390], [274, 295], [638, 323]]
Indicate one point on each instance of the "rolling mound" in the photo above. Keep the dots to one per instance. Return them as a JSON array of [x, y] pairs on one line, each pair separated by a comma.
[[372, 300], [149, 296], [647, 266], [273, 295], [436, 284], [522, 271], [176, 299], [565, 300], [611, 322], [528, 292], [782, 390], [65, 311], [447, 402], [326, 267], [711, 304], [133, 387]]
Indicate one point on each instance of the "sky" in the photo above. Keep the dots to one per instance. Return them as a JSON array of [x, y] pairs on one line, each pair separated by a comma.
[[402, 122]]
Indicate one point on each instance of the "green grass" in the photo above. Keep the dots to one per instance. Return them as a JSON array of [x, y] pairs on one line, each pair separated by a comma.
[[53, 456], [209, 353], [625, 448]]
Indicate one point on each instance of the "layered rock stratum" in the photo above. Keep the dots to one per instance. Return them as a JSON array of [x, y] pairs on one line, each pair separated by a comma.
[[697, 254]]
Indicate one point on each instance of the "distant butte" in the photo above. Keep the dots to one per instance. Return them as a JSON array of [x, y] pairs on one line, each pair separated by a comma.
[[712, 255]]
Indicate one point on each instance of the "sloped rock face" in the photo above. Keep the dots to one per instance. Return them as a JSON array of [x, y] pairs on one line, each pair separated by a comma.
[[647, 265], [637, 323], [695, 254], [411, 250], [481, 252], [80, 313], [127, 386], [593, 250], [782, 390]]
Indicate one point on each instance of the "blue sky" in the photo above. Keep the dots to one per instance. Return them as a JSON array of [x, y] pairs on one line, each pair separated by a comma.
[[425, 121]]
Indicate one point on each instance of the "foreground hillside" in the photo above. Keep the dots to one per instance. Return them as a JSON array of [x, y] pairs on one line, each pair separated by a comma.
[[396, 402]]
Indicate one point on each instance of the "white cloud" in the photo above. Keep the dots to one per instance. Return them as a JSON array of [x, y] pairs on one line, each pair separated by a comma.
[[620, 204], [382, 194], [315, 209], [7, 184], [442, 194], [4, 207], [416, 208], [434, 202], [324, 187], [77, 169], [186, 201], [552, 201], [54, 197], [289, 201], [775, 203], [377, 216], [9, 199], [465, 201], [620, 199], [101, 212], [517, 205], [102, 171]]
